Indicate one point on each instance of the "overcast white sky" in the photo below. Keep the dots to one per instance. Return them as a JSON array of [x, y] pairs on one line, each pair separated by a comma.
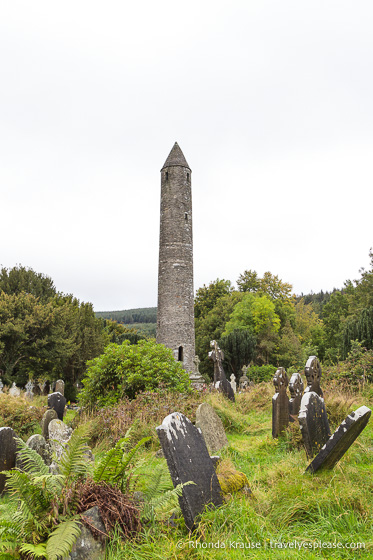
[[271, 102]]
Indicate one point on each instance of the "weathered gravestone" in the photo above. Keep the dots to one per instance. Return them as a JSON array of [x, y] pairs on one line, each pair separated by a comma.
[[341, 440], [296, 391], [244, 380], [37, 390], [196, 379], [314, 423], [280, 403], [60, 387], [45, 388], [87, 547], [58, 403], [188, 460], [38, 444], [220, 380], [48, 416], [28, 388], [211, 427], [59, 435], [8, 450], [312, 371], [14, 391], [1, 386], [233, 383]]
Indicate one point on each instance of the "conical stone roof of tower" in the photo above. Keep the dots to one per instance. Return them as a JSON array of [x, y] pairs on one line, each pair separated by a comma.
[[176, 157]]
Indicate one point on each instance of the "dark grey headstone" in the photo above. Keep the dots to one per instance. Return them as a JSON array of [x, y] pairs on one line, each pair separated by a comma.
[[45, 388], [58, 403], [314, 423], [296, 391], [220, 380], [312, 371], [37, 390], [8, 450], [341, 440], [188, 460], [280, 403]]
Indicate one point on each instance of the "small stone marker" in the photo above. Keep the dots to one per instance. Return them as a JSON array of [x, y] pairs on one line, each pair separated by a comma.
[[296, 391], [14, 391], [233, 383], [45, 388], [341, 440], [8, 450], [48, 416], [220, 380], [1, 386], [280, 403], [37, 390], [188, 460], [312, 371], [314, 423], [58, 403], [29, 387], [60, 387], [211, 427]]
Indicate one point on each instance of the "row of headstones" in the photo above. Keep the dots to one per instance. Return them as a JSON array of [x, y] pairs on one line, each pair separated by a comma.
[[324, 448], [36, 389], [228, 388]]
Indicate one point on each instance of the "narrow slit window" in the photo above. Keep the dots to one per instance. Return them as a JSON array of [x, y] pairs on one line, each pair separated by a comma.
[[166, 174], [186, 216], [188, 177], [180, 354]]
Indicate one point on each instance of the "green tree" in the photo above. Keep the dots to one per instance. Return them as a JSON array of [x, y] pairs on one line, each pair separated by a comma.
[[270, 284], [207, 296], [20, 279], [239, 349]]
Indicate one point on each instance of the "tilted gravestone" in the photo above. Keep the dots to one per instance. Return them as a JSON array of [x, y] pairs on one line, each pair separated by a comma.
[[60, 387], [211, 427], [314, 423], [341, 440], [58, 403], [312, 371], [220, 380], [188, 460], [48, 416], [280, 403], [296, 392], [8, 450]]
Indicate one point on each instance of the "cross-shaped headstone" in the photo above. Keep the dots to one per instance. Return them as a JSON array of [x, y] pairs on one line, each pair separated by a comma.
[[280, 403], [312, 371], [29, 387], [296, 387]]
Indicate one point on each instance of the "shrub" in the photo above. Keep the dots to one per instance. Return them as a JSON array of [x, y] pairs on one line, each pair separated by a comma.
[[261, 373], [127, 369], [19, 415], [356, 370]]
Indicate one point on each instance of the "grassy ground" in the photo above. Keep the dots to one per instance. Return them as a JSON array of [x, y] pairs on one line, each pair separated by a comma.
[[289, 514]]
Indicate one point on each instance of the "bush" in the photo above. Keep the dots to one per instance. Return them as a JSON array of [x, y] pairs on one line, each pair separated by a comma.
[[127, 369], [355, 371], [19, 415], [261, 373]]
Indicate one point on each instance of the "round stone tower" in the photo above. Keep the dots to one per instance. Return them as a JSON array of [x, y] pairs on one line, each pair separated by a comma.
[[175, 315]]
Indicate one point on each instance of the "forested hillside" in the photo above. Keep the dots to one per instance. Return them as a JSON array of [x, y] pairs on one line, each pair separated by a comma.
[[130, 316]]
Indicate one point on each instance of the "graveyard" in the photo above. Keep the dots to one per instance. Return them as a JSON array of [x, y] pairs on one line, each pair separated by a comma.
[[251, 481]]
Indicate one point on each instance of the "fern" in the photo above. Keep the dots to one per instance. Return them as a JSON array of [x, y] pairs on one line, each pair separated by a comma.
[[31, 460], [37, 550], [114, 467], [61, 541], [74, 461]]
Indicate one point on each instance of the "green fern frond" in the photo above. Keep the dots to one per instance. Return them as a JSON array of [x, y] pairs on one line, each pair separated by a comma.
[[31, 460], [164, 505], [37, 550], [62, 539], [74, 463]]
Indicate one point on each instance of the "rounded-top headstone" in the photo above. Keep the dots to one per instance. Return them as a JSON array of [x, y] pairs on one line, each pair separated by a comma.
[[38, 444], [48, 416], [211, 427], [58, 402]]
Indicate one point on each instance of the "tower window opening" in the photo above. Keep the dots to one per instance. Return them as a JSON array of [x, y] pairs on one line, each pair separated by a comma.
[[180, 354], [186, 216], [166, 174], [188, 177]]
